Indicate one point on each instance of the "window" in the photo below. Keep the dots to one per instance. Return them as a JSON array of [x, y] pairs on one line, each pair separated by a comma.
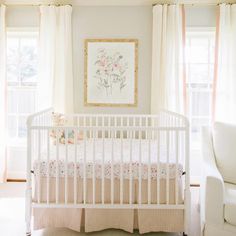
[[200, 49], [200, 72], [22, 71]]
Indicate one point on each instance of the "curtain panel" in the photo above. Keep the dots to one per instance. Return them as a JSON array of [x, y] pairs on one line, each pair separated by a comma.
[[2, 94], [224, 87], [55, 87], [168, 90]]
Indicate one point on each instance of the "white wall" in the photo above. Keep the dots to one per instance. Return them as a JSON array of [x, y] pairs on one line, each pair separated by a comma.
[[19, 16], [16, 162], [200, 16]]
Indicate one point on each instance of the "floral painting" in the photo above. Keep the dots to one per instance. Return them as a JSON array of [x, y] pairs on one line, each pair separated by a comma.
[[111, 72]]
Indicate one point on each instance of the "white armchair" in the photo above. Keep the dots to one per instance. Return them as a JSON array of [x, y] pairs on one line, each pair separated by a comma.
[[218, 184]]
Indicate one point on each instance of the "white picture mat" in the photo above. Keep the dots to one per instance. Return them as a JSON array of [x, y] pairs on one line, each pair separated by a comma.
[[96, 94]]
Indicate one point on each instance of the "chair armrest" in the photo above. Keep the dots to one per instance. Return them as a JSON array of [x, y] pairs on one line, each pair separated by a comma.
[[212, 184]]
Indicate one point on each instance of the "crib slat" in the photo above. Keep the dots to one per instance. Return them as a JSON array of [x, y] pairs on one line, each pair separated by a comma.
[[187, 194], [90, 124], [109, 125], [176, 167], [57, 165], [103, 166], [158, 166], [167, 166], [115, 126], [39, 166], [66, 167], [75, 164], [112, 167], [121, 167], [96, 124], [140, 168], [146, 124], [152, 125], [127, 126], [149, 168], [85, 167], [130, 167], [94, 188], [48, 167]]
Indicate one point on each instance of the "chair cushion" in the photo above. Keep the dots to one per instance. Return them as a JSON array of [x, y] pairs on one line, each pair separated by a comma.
[[230, 204], [224, 142]]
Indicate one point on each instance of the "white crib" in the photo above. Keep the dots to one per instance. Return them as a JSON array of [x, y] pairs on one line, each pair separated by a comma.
[[111, 147]]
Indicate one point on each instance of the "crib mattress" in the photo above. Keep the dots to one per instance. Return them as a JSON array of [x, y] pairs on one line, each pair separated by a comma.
[[130, 159]]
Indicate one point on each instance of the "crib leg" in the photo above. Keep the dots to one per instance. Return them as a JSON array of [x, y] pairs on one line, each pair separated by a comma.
[[187, 212], [28, 201]]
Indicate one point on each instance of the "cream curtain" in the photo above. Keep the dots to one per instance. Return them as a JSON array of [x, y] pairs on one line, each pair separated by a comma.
[[225, 65], [2, 94], [55, 86], [168, 85]]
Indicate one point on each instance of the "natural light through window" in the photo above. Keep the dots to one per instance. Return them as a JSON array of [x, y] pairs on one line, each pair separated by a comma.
[[22, 71], [200, 46]]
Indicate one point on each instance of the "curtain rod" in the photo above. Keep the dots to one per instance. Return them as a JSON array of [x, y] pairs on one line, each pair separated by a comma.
[[186, 4], [34, 5], [183, 2], [195, 3], [191, 4]]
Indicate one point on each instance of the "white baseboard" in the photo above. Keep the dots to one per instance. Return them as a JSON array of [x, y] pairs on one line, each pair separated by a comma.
[[195, 180], [22, 175], [16, 175]]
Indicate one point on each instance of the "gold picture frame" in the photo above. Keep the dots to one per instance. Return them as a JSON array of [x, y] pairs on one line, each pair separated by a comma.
[[120, 53]]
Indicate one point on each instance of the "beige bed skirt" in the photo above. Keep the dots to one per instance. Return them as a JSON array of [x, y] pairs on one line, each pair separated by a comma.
[[167, 220]]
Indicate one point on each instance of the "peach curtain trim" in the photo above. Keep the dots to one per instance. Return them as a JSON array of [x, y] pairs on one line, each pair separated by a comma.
[[216, 64]]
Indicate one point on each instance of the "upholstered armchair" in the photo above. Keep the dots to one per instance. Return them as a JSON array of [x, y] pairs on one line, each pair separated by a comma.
[[218, 185]]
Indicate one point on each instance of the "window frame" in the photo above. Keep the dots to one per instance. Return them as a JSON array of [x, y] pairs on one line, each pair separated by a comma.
[[195, 147]]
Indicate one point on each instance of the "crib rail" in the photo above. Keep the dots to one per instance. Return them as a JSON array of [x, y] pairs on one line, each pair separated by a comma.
[[166, 131]]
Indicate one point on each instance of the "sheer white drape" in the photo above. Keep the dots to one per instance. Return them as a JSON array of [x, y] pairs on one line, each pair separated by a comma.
[[225, 78], [2, 94], [168, 86], [55, 87]]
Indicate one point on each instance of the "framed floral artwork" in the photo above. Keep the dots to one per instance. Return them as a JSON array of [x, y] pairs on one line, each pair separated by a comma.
[[111, 67]]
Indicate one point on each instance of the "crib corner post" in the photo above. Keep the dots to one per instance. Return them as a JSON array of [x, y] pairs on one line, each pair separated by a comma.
[[187, 193], [187, 211], [28, 192]]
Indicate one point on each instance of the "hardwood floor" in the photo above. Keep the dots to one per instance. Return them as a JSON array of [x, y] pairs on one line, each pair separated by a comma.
[[12, 216]]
